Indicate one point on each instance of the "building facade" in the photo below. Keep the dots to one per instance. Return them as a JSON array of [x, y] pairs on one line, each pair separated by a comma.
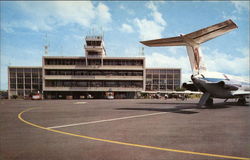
[[95, 75], [23, 81], [163, 79], [79, 76]]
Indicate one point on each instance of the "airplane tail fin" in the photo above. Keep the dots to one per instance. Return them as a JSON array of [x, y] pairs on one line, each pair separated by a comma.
[[193, 40]]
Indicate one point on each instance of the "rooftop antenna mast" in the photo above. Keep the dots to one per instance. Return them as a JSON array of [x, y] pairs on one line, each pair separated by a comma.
[[102, 32], [141, 51], [46, 46]]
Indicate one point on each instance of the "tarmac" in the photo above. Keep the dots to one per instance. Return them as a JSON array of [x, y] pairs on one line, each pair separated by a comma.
[[135, 129]]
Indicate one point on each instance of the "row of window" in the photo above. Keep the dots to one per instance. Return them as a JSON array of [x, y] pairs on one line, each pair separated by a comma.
[[92, 53], [65, 83], [123, 62], [162, 71], [93, 43], [26, 86], [65, 62], [93, 62], [33, 70], [94, 72], [162, 76], [161, 87], [26, 75], [163, 82], [26, 80]]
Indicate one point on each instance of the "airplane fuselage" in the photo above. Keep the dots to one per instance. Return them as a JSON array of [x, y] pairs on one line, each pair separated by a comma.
[[220, 85]]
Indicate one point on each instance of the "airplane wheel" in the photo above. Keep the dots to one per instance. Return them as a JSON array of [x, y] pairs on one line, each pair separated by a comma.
[[241, 101], [209, 102]]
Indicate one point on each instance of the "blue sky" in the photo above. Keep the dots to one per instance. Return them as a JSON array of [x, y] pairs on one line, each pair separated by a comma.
[[124, 23]]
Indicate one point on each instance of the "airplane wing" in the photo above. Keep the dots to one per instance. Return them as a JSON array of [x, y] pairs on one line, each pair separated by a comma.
[[198, 37], [241, 93], [190, 86], [224, 84]]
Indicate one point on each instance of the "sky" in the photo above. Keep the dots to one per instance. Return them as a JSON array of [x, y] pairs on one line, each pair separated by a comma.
[[26, 24]]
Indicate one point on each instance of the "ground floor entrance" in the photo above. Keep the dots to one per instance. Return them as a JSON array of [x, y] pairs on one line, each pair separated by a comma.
[[87, 95]]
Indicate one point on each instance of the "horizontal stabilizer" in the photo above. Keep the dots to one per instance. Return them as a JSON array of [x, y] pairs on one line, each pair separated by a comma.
[[198, 37], [172, 41]]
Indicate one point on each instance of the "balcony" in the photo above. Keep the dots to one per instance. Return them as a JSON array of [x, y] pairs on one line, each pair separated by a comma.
[[93, 47], [93, 38]]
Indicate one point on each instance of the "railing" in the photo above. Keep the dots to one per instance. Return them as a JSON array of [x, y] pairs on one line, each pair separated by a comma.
[[90, 47], [95, 56], [94, 37]]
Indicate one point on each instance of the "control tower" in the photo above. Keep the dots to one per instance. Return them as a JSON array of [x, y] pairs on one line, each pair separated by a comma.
[[94, 47]]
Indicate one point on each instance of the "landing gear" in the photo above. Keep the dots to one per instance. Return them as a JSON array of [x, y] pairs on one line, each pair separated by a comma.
[[241, 101], [209, 102], [205, 101]]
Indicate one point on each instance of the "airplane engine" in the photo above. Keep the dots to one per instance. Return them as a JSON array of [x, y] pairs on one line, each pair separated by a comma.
[[228, 85], [190, 86]]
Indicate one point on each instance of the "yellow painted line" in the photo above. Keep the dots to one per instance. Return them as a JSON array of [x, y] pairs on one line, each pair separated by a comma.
[[124, 143]]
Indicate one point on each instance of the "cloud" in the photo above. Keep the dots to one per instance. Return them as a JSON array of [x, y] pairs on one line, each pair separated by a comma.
[[232, 17], [126, 28], [40, 16], [226, 63], [128, 10], [150, 29], [103, 13], [241, 5], [155, 13], [244, 51]]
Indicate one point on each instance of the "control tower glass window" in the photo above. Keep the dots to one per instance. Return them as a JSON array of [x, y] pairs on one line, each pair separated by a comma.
[[94, 43]]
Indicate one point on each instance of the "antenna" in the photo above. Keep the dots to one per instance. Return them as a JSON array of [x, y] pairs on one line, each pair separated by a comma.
[[141, 51], [102, 32], [46, 46]]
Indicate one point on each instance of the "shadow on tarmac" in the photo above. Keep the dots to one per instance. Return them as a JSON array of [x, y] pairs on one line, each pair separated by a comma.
[[180, 109], [177, 109], [166, 103], [215, 105]]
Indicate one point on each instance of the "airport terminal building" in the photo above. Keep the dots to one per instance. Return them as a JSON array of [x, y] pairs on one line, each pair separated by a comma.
[[95, 74]]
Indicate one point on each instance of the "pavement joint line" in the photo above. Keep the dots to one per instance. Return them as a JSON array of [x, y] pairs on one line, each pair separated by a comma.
[[107, 120], [124, 143], [80, 102]]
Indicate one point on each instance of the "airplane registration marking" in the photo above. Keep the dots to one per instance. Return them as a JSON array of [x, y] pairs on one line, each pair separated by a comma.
[[124, 143], [108, 120]]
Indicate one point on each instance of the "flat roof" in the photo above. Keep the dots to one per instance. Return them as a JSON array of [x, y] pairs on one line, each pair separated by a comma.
[[25, 67], [161, 68]]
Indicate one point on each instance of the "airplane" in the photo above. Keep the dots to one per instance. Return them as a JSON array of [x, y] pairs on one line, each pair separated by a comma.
[[212, 84]]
